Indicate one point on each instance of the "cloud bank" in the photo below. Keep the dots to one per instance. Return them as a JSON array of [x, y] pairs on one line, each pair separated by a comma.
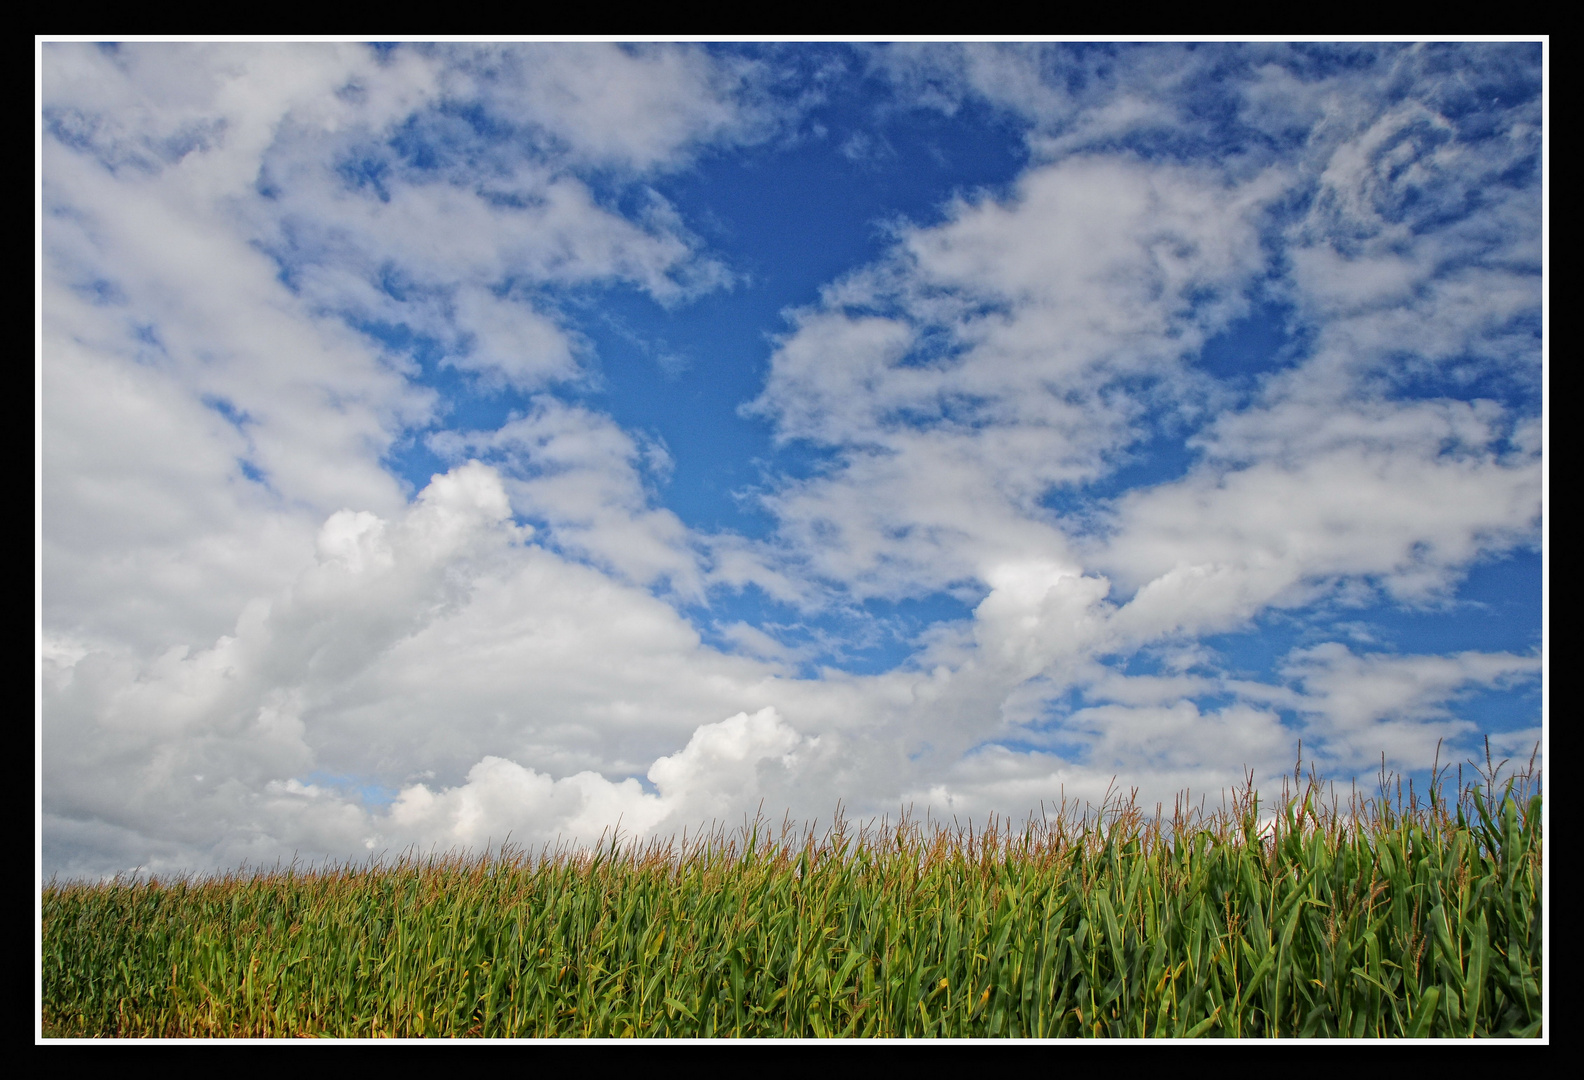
[[348, 547]]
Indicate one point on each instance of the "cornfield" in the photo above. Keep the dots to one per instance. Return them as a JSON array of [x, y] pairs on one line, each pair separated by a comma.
[[1389, 916]]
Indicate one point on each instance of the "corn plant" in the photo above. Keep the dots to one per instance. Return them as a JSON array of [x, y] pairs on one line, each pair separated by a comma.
[[1387, 916]]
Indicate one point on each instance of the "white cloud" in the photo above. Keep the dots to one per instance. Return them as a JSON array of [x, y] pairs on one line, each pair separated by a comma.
[[1095, 273], [1216, 548], [438, 640], [207, 413], [639, 107], [1015, 349], [255, 642], [1181, 740], [502, 801], [583, 475], [1070, 100], [1359, 706], [535, 692], [752, 641], [200, 415], [521, 345]]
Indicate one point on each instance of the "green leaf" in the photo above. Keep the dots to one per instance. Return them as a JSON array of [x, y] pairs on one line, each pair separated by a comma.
[[1422, 1021]]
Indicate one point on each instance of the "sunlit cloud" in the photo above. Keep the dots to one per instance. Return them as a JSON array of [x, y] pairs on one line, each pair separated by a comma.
[[448, 443]]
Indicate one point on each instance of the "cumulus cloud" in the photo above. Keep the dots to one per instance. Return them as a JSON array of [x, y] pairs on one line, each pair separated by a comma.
[[723, 767], [203, 728], [214, 215], [1018, 348], [407, 641], [990, 358], [274, 276]]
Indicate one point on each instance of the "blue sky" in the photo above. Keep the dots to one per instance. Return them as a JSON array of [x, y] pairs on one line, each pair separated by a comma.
[[442, 441]]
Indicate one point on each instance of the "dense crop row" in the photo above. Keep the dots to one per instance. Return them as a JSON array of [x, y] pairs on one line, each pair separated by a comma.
[[1378, 920]]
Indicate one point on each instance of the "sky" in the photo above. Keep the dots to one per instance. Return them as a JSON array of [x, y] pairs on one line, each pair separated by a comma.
[[446, 444]]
